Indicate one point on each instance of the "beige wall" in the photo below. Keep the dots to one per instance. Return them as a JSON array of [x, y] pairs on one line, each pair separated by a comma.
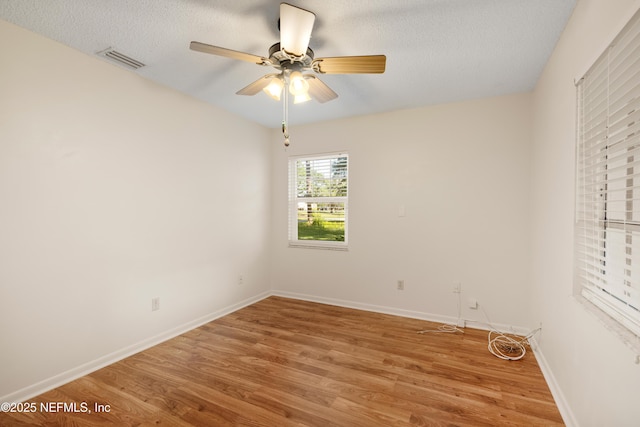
[[462, 173], [114, 191], [591, 367]]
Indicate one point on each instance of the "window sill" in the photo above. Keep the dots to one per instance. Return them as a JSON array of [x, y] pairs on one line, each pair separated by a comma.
[[318, 246], [631, 340]]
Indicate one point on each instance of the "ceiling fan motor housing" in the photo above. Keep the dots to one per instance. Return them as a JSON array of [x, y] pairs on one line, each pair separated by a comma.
[[279, 58]]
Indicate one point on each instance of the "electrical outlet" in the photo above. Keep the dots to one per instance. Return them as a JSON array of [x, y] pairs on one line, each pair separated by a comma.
[[457, 287], [155, 304], [473, 303], [400, 285], [240, 279]]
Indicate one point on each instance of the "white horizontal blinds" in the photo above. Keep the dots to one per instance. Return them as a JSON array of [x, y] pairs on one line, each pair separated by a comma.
[[318, 199], [322, 177], [608, 208]]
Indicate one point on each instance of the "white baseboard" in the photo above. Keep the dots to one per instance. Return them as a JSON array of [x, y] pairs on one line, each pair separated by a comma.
[[401, 312], [561, 402], [92, 366], [367, 307]]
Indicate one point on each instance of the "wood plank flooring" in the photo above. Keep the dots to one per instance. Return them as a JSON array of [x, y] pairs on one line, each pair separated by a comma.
[[283, 362]]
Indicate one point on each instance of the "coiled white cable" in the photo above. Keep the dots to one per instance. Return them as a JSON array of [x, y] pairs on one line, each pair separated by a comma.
[[508, 347]]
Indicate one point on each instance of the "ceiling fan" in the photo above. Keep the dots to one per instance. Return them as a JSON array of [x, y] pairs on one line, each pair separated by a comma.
[[294, 62]]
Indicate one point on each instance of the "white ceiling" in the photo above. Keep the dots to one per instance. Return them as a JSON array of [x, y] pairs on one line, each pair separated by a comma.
[[438, 51]]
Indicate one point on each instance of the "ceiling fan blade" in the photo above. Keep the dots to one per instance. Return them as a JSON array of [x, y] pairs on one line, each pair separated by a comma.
[[369, 64], [295, 29], [318, 90], [255, 87], [220, 51]]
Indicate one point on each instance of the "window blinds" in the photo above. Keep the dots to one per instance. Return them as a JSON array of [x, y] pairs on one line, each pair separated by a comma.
[[608, 180]]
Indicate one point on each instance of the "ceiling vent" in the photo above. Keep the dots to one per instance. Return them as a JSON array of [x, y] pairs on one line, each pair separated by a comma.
[[119, 58]]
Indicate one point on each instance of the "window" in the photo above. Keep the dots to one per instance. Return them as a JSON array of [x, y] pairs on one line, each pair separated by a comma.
[[318, 201], [608, 180]]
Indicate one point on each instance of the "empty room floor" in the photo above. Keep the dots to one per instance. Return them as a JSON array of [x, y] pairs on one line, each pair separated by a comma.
[[282, 362]]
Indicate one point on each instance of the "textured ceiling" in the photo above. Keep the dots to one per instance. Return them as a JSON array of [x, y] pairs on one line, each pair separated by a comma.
[[438, 51]]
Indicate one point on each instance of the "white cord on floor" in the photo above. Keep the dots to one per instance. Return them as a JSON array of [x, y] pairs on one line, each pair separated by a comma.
[[447, 328], [502, 345], [507, 346]]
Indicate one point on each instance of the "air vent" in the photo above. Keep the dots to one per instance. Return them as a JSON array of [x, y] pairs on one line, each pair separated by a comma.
[[124, 60]]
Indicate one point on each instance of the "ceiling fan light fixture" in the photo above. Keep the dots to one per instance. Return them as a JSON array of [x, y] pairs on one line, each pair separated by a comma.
[[303, 97], [274, 88], [291, 57], [297, 84]]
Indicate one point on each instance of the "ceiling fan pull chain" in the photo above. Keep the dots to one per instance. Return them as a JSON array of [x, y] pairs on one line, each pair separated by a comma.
[[285, 114]]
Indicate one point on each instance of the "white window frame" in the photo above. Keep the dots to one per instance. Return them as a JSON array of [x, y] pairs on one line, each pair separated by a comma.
[[294, 242], [607, 233]]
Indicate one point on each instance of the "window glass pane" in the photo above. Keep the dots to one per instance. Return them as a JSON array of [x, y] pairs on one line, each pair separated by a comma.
[[318, 201], [321, 177], [321, 221]]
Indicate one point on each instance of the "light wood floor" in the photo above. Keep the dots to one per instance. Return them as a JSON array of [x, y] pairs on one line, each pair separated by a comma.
[[283, 362]]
